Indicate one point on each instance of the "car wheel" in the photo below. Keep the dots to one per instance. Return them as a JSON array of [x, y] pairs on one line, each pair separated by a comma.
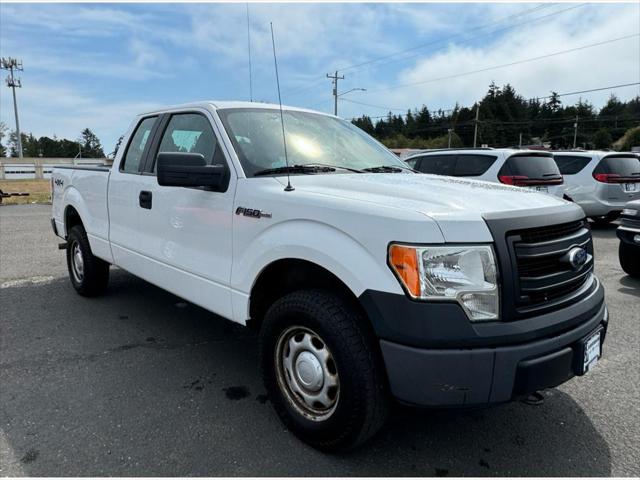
[[322, 371], [629, 256], [89, 274]]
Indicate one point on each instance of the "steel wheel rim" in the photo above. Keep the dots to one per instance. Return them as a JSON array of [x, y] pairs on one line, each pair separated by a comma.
[[77, 262], [307, 373]]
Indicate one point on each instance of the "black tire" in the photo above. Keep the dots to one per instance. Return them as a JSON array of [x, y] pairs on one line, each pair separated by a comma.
[[362, 402], [629, 256], [605, 219], [93, 278]]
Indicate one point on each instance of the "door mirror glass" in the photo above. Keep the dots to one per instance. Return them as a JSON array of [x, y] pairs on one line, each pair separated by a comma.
[[178, 169]]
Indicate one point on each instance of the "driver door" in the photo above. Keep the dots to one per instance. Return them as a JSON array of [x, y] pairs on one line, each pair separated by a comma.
[[186, 232]]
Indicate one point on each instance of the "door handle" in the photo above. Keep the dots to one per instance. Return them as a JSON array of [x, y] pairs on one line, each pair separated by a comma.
[[145, 198]]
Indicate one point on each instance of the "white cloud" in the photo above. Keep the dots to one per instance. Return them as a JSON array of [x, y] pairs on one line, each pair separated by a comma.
[[610, 64]]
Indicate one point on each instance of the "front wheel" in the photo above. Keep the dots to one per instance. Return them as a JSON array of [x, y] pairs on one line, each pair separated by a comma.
[[322, 371], [629, 256], [89, 275]]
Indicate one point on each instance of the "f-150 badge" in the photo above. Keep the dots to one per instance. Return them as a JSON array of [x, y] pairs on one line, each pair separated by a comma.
[[253, 213]]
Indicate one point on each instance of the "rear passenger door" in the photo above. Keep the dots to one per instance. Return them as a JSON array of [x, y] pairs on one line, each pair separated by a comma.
[[125, 184], [186, 232]]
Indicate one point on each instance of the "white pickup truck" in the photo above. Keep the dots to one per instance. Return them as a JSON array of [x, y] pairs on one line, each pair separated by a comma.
[[366, 280]]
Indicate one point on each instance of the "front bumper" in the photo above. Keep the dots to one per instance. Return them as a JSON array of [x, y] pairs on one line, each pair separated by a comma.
[[484, 363]]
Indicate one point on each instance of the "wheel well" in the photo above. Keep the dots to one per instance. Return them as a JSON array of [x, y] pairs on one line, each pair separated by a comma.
[[288, 275], [71, 218]]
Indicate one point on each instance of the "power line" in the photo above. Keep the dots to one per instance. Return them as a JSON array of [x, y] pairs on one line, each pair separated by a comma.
[[495, 67], [465, 41], [446, 39], [611, 87]]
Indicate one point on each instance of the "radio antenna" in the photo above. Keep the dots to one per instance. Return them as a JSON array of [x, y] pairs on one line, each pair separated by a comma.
[[288, 188], [249, 47]]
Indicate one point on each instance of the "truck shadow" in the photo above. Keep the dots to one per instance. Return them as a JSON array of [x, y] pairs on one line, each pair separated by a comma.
[[138, 382], [630, 286]]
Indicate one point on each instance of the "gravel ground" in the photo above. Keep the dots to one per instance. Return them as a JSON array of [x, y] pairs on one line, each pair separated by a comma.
[[139, 382]]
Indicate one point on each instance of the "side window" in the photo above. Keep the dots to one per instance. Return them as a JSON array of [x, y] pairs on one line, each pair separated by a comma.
[[413, 162], [571, 164], [191, 133], [135, 150], [473, 165], [438, 164]]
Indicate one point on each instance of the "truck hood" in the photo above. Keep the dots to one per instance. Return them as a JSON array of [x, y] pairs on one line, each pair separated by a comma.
[[454, 203]]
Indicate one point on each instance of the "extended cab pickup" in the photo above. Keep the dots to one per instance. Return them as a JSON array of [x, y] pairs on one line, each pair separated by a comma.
[[366, 280]]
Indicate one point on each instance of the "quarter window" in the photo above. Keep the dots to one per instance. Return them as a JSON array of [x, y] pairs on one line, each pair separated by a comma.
[[136, 147], [438, 164], [191, 133], [473, 165], [571, 164]]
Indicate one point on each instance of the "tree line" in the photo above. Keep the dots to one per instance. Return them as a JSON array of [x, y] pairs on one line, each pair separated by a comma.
[[505, 119], [87, 146]]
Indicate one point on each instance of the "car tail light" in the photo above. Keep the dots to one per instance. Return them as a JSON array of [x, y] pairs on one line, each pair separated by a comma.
[[517, 180], [524, 181], [607, 177]]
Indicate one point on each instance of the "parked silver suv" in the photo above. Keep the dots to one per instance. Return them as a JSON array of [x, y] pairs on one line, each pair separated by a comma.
[[600, 182], [532, 169]]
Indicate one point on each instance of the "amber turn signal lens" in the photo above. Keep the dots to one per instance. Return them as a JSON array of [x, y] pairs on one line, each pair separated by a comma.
[[404, 261]]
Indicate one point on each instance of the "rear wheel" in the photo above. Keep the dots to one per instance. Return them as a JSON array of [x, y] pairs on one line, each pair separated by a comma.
[[89, 275], [629, 256], [321, 370]]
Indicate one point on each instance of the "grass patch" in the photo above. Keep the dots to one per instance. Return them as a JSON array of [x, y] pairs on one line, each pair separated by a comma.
[[39, 191]]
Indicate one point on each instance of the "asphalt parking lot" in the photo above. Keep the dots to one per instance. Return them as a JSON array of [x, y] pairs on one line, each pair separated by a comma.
[[138, 382]]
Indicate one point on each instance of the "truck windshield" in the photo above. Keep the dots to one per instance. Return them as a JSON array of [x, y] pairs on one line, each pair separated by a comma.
[[312, 139]]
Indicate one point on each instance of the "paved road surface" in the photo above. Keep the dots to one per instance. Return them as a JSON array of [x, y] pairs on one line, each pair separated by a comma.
[[138, 382]]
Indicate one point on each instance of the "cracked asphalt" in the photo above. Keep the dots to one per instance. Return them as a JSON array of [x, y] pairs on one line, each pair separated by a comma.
[[139, 382]]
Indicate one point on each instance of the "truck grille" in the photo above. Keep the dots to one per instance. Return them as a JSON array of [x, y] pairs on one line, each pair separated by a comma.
[[543, 276]]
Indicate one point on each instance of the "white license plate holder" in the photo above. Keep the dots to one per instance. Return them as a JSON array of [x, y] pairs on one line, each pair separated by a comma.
[[591, 350]]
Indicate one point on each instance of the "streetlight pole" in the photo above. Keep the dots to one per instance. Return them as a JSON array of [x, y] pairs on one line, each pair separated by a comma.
[[344, 93], [12, 64]]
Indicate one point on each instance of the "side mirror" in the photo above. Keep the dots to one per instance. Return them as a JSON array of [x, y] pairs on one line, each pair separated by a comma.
[[176, 169]]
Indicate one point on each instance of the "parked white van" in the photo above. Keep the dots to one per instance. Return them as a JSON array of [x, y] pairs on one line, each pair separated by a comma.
[[522, 168], [600, 182]]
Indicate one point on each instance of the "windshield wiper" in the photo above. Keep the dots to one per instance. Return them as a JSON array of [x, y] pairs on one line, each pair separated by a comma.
[[295, 169], [385, 169], [355, 170]]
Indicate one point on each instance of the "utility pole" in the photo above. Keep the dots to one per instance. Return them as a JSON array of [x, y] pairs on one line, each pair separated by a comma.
[[475, 128], [12, 64], [575, 132], [449, 131], [335, 79], [520, 141]]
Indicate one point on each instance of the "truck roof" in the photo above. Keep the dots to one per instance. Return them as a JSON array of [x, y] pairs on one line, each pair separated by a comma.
[[217, 105]]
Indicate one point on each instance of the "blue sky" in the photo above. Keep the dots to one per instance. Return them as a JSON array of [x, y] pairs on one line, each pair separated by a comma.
[[97, 65]]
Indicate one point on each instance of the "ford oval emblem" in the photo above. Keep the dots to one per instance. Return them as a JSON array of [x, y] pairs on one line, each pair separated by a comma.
[[577, 257]]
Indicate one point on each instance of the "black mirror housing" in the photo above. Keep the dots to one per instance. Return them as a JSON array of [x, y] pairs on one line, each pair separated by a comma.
[[178, 169]]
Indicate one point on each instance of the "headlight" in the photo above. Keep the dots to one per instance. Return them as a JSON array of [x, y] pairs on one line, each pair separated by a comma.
[[464, 273]]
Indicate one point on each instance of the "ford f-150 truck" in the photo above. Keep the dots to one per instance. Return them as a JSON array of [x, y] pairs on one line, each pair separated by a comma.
[[366, 280]]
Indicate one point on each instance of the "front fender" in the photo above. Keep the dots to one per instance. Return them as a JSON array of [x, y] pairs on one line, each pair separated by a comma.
[[318, 243]]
